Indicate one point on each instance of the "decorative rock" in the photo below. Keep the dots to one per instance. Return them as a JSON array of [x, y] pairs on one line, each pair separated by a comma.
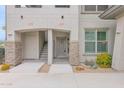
[[94, 66]]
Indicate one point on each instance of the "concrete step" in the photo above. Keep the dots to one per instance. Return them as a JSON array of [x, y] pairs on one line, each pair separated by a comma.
[[44, 56], [43, 50], [44, 53]]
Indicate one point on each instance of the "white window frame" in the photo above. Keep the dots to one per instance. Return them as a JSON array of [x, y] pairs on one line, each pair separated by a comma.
[[96, 30], [25, 6], [62, 6], [96, 11]]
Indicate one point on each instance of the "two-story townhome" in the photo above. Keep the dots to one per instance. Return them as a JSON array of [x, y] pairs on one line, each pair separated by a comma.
[[49, 32]]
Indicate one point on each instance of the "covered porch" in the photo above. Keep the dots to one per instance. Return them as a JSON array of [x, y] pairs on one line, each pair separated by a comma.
[[46, 45]]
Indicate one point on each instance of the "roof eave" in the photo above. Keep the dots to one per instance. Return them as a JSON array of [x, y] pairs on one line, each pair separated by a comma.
[[111, 12]]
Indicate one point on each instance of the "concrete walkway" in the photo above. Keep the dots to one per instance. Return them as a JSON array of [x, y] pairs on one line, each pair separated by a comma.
[[61, 68], [65, 80], [59, 76], [27, 67], [33, 67]]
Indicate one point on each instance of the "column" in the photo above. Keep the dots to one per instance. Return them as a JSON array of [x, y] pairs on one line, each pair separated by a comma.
[[50, 47], [13, 51], [74, 53]]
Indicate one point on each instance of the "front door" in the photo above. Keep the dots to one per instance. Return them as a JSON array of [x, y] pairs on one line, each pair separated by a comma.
[[61, 47]]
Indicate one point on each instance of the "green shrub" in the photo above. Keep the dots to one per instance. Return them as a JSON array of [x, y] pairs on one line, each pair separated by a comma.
[[104, 60], [5, 67]]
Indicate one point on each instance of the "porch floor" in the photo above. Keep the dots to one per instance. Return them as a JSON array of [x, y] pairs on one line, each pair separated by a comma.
[[33, 66]]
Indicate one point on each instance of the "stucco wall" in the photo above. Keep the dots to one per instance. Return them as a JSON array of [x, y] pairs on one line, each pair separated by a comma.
[[49, 17], [93, 21], [46, 17]]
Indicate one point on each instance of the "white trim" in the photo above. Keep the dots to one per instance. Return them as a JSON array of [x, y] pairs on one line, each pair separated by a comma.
[[96, 41]]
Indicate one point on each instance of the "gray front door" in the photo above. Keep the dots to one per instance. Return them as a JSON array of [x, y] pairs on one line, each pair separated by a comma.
[[61, 47]]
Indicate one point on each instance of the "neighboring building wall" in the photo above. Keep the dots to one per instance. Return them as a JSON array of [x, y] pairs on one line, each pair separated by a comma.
[[118, 57], [93, 21]]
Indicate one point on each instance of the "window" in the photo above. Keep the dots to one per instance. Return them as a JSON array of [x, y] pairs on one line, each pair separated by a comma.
[[90, 8], [94, 8], [96, 41], [62, 6], [17, 6], [102, 7], [28, 6], [33, 6]]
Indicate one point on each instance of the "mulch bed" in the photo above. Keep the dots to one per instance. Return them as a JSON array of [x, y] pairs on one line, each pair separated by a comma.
[[44, 68], [85, 69]]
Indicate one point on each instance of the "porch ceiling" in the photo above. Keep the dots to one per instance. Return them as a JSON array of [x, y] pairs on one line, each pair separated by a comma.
[[41, 29]]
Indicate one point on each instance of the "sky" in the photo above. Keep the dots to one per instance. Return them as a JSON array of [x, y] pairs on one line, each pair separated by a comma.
[[2, 22]]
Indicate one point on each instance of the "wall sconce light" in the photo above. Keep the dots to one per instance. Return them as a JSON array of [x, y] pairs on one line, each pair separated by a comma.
[[21, 17], [62, 17]]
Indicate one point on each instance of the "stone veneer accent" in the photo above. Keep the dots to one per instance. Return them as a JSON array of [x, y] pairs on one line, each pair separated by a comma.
[[13, 53], [74, 53]]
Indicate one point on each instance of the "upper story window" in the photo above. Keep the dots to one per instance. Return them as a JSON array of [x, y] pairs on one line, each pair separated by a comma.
[[17, 6], [93, 8], [102, 7], [28, 6], [33, 6], [62, 6], [90, 8]]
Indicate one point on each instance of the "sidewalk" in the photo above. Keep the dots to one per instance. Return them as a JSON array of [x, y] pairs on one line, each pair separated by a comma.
[[59, 80]]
